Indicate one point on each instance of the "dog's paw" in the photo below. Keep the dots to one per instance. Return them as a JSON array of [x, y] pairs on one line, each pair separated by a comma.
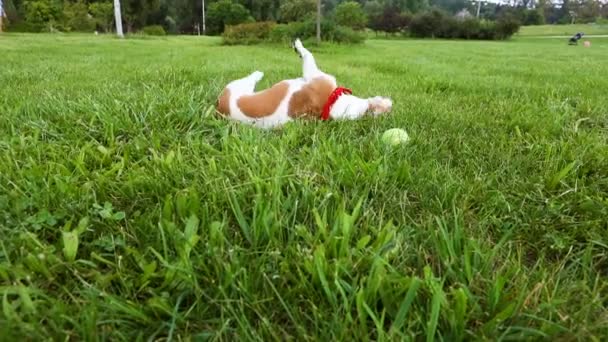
[[297, 44], [257, 75], [380, 105], [297, 47]]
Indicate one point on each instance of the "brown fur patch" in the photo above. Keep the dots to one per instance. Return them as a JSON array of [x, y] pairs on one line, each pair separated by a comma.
[[309, 101], [223, 102], [263, 103]]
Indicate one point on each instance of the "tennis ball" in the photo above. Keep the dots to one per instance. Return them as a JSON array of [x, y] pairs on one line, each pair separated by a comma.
[[395, 136]]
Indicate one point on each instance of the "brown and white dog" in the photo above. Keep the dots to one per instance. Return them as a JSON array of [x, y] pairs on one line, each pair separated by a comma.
[[315, 95]]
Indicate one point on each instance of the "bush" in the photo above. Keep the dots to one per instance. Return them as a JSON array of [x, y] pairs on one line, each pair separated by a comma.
[[350, 14], [430, 24], [249, 33], [534, 17], [437, 24], [469, 28], [223, 13], [154, 30], [390, 20], [41, 15], [281, 33], [506, 27], [103, 14], [297, 10], [285, 33], [347, 35], [487, 30], [253, 33], [77, 17]]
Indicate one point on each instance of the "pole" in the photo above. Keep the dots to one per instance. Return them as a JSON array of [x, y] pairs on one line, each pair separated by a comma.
[[478, 7], [1, 15], [118, 19], [204, 27], [318, 21]]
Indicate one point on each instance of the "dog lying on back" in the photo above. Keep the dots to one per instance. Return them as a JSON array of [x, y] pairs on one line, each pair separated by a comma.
[[315, 95]]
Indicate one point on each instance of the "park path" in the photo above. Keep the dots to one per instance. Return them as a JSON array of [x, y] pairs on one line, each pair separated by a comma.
[[561, 37]]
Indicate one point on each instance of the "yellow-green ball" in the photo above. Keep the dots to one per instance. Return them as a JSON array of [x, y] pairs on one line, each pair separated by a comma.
[[395, 136]]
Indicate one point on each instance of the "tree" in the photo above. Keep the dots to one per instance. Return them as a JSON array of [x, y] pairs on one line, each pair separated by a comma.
[[450, 6], [318, 21], [102, 14], [534, 17], [390, 21], [118, 18], [297, 10], [1, 16], [76, 16], [415, 6], [351, 14], [263, 10], [589, 11], [224, 13], [136, 13], [373, 9], [41, 14]]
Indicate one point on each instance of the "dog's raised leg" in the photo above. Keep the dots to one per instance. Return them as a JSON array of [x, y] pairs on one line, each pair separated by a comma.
[[309, 66], [245, 85]]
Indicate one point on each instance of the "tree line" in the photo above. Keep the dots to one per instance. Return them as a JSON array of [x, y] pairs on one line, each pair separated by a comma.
[[185, 16]]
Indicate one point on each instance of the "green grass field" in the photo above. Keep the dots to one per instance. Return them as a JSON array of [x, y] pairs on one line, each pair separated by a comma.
[[563, 30], [130, 211]]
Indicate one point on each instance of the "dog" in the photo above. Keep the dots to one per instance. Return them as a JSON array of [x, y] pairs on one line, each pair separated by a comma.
[[313, 96]]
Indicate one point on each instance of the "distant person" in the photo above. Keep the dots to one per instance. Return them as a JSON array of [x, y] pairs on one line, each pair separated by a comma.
[[574, 40]]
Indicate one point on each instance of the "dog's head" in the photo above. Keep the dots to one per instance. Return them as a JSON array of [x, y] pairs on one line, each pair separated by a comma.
[[380, 105]]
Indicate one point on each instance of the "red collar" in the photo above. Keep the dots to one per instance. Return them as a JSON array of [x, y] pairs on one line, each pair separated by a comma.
[[333, 97]]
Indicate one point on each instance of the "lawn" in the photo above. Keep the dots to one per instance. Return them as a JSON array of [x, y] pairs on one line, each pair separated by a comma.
[[130, 211], [563, 30]]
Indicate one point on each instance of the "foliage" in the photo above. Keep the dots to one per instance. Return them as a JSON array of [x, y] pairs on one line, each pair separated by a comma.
[[297, 10], [41, 15], [433, 23], [350, 14], [76, 17], [391, 20], [533, 17], [438, 24], [344, 34], [588, 11], [131, 212], [225, 12], [137, 13], [154, 30], [415, 6], [263, 10], [373, 9], [449, 6], [248, 33], [185, 16], [103, 14], [506, 27], [286, 33]]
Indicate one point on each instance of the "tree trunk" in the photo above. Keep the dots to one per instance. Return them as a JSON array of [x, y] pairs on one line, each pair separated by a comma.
[[318, 21], [1, 16], [118, 19], [204, 26]]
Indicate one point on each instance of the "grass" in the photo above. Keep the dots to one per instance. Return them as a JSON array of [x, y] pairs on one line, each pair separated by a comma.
[[130, 211], [563, 30]]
